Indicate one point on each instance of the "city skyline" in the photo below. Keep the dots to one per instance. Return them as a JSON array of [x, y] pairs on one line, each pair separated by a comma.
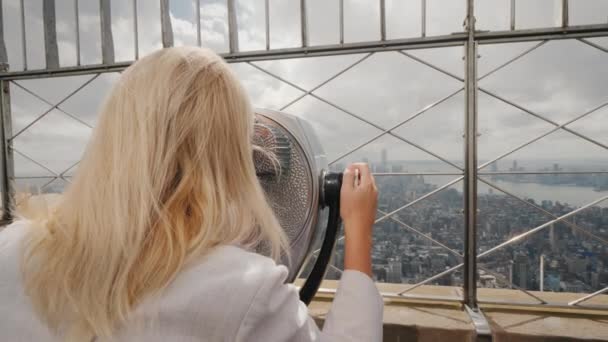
[[574, 261]]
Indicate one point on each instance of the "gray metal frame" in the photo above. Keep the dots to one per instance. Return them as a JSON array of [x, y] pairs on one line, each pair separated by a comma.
[[470, 174]]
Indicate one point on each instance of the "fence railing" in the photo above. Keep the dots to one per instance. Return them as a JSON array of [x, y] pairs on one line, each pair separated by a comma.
[[470, 171]]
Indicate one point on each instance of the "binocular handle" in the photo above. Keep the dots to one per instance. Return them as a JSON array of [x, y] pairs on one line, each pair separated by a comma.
[[332, 184]]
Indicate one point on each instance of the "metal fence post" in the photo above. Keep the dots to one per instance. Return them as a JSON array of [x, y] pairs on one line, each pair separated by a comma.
[[233, 29], [107, 40], [3, 54], [6, 167], [165, 23], [8, 171], [470, 172], [50, 34], [480, 323]]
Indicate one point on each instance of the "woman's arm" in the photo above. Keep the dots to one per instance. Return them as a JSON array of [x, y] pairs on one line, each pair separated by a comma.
[[358, 202], [277, 314]]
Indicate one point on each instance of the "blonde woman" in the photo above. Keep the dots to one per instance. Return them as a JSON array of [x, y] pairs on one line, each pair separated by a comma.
[[154, 239]]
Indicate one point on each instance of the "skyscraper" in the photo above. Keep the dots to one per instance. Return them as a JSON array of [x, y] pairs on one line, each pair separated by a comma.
[[552, 237], [520, 271], [394, 270], [384, 159]]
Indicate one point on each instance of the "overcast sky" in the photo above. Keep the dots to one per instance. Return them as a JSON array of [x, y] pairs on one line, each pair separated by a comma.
[[559, 80]]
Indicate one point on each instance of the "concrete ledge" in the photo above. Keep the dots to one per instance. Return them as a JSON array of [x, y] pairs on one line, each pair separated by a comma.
[[419, 320]]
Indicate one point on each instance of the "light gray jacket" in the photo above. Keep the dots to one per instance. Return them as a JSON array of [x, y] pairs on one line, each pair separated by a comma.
[[231, 295]]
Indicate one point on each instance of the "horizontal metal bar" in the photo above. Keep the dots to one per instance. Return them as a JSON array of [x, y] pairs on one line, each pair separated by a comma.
[[497, 37], [384, 174], [261, 55], [455, 39], [347, 48], [484, 303], [489, 173], [393, 295], [543, 307], [65, 71], [32, 177]]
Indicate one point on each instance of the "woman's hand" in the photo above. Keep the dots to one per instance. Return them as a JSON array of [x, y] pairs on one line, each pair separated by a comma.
[[358, 202]]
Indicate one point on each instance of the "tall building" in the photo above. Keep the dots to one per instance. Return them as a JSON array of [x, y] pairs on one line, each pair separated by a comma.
[[394, 272], [384, 159], [494, 168], [521, 270], [396, 168], [552, 237]]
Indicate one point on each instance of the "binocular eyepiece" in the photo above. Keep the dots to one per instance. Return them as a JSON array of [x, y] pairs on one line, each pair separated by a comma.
[[292, 169]]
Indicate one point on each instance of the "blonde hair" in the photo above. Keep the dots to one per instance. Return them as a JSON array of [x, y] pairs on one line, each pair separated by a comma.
[[167, 176]]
